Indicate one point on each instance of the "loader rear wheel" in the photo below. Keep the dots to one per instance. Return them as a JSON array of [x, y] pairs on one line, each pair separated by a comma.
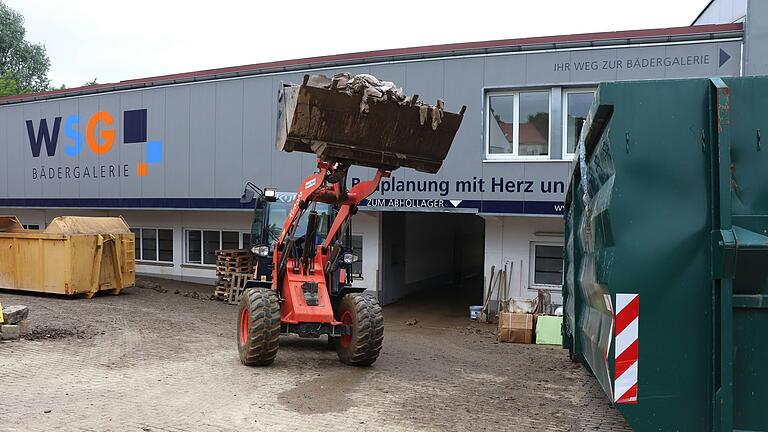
[[363, 313], [258, 327]]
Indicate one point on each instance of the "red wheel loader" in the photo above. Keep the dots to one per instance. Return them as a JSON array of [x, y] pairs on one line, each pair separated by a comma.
[[302, 281]]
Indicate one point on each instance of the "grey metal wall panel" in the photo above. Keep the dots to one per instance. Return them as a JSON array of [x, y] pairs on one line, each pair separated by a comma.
[[497, 175], [593, 66], [462, 79], [286, 167], [503, 70], [131, 154], [228, 169], [31, 187], [176, 141], [540, 68], [218, 135], [18, 152], [756, 38], [201, 140], [4, 149], [153, 184], [258, 131]]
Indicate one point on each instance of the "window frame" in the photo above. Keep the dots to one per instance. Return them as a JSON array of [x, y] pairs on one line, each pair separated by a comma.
[[564, 115], [185, 242], [139, 244], [532, 267], [515, 156]]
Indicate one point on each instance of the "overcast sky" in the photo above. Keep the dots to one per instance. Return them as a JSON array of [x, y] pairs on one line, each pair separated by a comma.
[[113, 41]]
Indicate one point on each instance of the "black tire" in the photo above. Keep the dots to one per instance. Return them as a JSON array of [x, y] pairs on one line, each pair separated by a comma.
[[258, 327], [363, 313]]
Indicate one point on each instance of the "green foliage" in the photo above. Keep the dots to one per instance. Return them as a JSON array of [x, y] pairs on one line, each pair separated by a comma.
[[91, 82], [8, 86], [23, 65]]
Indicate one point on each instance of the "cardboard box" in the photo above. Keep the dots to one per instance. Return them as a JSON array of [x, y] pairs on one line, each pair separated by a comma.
[[516, 328]]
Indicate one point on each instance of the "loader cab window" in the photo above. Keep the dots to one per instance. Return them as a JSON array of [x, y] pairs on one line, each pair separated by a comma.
[[256, 237], [278, 212]]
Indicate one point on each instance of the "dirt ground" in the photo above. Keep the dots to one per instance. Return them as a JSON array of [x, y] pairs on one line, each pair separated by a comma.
[[163, 360]]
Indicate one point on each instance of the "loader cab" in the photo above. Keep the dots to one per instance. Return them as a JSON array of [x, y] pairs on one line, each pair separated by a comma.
[[269, 214]]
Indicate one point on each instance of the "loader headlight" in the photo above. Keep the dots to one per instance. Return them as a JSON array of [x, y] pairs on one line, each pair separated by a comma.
[[261, 251], [350, 258], [270, 195]]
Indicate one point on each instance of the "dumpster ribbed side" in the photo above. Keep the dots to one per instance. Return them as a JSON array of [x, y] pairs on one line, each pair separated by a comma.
[[644, 233]]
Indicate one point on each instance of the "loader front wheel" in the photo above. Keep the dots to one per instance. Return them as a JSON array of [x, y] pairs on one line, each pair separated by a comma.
[[258, 327], [363, 314]]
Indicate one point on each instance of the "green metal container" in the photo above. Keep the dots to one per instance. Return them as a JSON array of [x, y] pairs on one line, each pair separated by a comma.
[[666, 225]]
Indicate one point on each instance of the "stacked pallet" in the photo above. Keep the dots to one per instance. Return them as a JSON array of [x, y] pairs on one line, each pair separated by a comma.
[[233, 268]]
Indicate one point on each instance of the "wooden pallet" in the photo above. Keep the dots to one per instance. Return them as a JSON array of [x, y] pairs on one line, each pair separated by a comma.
[[231, 286], [236, 287], [233, 268]]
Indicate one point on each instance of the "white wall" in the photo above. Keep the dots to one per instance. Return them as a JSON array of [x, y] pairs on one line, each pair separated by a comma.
[[368, 224], [508, 241]]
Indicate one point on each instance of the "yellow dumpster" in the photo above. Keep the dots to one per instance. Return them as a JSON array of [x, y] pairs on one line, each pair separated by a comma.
[[73, 255]]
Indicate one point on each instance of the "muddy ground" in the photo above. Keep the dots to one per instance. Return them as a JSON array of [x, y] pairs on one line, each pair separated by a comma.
[[165, 359]]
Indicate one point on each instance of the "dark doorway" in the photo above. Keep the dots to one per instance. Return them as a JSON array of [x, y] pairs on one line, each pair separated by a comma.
[[435, 259]]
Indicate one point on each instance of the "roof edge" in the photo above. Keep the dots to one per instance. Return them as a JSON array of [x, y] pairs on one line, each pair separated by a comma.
[[427, 51]]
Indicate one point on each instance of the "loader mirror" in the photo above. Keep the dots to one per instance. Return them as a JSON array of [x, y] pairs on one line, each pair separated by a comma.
[[247, 196]]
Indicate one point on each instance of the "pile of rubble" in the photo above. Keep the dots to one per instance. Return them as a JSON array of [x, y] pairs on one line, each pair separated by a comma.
[[14, 324], [373, 89]]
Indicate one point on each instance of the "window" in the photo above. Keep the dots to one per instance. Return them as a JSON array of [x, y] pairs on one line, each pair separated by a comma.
[[546, 265], [30, 226], [518, 125], [356, 241], [153, 244], [201, 245], [576, 104]]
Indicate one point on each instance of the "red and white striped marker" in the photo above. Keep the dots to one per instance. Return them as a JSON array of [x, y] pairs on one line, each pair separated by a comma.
[[627, 322]]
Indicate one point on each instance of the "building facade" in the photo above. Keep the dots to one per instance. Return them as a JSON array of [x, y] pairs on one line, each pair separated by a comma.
[[171, 154]]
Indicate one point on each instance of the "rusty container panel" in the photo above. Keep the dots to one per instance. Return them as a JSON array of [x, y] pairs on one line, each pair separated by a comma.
[[73, 256], [332, 125]]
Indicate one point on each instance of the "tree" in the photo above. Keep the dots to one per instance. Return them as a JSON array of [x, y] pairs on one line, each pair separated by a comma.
[[8, 85], [91, 82], [23, 65]]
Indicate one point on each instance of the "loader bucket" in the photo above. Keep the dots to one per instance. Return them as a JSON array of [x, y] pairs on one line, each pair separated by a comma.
[[391, 134]]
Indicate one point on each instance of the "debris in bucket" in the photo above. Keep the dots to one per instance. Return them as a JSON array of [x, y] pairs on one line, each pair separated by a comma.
[[373, 89]]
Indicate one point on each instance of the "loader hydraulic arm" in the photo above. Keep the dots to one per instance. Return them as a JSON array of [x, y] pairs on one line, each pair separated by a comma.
[[327, 185]]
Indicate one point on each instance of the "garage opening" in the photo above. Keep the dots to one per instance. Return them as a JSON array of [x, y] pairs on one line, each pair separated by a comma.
[[433, 261]]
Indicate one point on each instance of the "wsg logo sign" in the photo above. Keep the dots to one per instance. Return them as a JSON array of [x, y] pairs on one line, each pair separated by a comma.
[[134, 131]]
